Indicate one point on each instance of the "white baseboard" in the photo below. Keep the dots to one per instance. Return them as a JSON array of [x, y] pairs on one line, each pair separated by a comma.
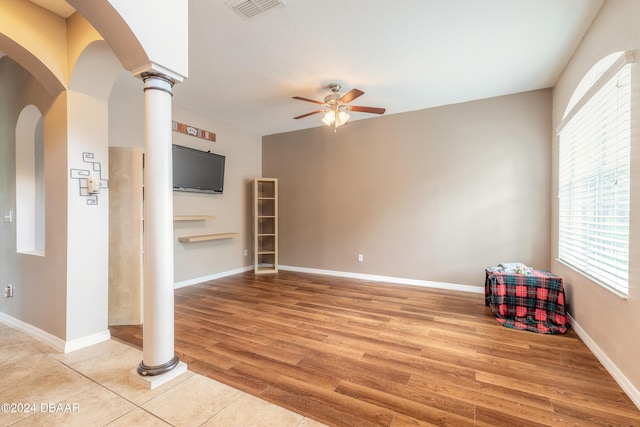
[[197, 280], [371, 277], [57, 343], [87, 341], [37, 333], [618, 376], [390, 279]]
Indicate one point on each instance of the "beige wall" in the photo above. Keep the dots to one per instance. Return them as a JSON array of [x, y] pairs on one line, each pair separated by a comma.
[[232, 209], [436, 194], [612, 323], [40, 281]]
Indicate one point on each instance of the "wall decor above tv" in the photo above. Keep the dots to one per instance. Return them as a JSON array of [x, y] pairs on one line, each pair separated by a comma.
[[193, 131], [197, 171]]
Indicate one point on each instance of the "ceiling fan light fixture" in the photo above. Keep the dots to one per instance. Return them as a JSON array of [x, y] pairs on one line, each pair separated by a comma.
[[335, 118], [334, 106], [329, 118], [342, 118]]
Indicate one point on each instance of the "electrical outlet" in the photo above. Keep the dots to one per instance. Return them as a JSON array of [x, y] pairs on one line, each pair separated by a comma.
[[8, 291], [246, 252], [360, 257]]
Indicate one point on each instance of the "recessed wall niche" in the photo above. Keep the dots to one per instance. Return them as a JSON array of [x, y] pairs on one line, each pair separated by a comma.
[[30, 207]]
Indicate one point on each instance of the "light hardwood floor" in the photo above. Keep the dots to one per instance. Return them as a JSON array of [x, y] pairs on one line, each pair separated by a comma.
[[348, 352]]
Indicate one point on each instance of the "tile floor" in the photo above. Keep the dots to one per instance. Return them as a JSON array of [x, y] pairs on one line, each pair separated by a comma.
[[90, 387]]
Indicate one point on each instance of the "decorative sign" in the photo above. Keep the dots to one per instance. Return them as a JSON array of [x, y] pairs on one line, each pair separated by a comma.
[[88, 184], [193, 131]]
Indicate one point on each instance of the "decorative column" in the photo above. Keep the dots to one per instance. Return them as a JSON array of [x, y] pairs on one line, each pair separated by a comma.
[[158, 355]]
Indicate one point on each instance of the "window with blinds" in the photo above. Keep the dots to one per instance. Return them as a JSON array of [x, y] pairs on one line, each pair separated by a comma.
[[594, 180]]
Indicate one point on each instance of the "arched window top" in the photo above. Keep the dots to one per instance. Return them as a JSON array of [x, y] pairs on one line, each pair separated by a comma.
[[594, 79]]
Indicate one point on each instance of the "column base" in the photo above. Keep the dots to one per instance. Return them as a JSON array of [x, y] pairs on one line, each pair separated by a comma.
[[152, 381], [150, 371]]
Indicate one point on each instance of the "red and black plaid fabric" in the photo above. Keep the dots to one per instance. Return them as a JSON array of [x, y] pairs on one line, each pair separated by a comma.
[[533, 301]]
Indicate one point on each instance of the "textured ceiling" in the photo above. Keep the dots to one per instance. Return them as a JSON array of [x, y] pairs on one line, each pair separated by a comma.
[[404, 54]]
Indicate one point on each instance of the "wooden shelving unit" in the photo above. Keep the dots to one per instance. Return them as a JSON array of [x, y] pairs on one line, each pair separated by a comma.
[[205, 237], [265, 225]]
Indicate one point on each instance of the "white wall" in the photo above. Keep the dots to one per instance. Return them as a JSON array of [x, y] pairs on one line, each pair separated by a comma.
[[88, 224], [93, 75], [613, 323]]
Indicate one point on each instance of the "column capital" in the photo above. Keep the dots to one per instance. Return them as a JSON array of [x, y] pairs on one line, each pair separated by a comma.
[[157, 81], [151, 68], [152, 74]]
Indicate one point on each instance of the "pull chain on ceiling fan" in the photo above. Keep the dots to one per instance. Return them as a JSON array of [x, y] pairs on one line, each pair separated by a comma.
[[335, 106]]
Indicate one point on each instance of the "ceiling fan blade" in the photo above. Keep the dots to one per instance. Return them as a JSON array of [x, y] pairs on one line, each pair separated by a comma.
[[351, 95], [374, 110], [308, 100], [308, 114]]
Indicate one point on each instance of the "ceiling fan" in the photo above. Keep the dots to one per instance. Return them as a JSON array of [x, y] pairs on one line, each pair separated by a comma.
[[335, 106]]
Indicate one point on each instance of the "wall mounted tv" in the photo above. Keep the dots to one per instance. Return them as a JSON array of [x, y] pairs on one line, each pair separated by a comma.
[[197, 171]]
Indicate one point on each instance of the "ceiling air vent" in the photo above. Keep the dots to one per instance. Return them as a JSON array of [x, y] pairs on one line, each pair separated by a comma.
[[250, 8]]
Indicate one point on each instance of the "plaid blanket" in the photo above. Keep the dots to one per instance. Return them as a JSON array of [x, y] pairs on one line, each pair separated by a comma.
[[534, 301]]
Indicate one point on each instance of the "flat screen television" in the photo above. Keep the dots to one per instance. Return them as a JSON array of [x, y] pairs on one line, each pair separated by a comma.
[[197, 171]]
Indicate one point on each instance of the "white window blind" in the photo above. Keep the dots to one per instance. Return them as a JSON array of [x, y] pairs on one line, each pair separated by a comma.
[[593, 182]]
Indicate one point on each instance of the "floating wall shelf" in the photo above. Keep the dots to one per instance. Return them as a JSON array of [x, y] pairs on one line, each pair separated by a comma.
[[193, 217], [205, 237]]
